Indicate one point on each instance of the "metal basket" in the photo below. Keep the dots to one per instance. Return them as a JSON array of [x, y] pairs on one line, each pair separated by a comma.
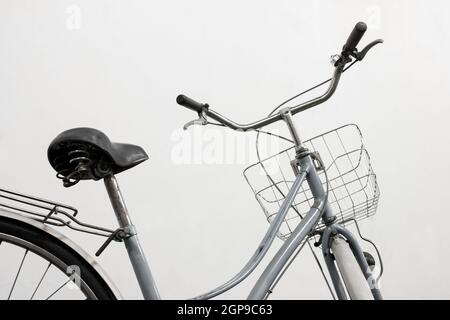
[[353, 190]]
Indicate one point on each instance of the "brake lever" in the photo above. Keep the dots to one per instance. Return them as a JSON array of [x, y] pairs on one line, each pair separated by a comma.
[[361, 54], [200, 121]]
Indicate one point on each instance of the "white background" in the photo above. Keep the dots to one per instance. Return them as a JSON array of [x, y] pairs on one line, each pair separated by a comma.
[[121, 68]]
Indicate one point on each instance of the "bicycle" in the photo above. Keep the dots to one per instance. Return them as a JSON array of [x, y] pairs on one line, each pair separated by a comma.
[[27, 222]]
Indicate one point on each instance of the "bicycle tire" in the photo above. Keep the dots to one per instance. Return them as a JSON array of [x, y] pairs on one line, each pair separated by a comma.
[[354, 280], [31, 238]]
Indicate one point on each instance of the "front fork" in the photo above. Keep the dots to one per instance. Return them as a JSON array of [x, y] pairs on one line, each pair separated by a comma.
[[305, 158], [334, 229], [329, 234]]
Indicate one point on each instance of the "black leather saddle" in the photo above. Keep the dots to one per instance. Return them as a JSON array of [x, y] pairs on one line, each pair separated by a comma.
[[87, 153]]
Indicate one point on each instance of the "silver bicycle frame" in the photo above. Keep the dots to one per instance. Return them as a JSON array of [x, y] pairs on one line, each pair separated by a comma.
[[319, 209], [137, 257], [307, 171]]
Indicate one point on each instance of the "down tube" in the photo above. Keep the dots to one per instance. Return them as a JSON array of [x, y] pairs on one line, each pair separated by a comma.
[[282, 256], [264, 245]]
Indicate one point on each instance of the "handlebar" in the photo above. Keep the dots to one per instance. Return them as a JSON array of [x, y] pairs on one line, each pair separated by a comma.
[[194, 105], [348, 49], [189, 103], [354, 37], [271, 119]]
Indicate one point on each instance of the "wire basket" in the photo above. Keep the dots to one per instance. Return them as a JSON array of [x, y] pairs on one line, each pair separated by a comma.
[[353, 190]]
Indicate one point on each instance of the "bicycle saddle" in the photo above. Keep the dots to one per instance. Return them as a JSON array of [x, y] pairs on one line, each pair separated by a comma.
[[87, 153]]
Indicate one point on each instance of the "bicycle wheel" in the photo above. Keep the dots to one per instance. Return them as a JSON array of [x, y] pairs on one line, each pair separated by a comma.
[[37, 265], [354, 279]]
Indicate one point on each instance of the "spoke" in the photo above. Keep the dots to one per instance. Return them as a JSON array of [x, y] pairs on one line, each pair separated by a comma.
[[17, 274], [54, 292], [40, 281]]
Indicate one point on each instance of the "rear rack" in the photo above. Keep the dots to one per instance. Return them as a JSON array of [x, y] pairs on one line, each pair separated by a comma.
[[48, 212]]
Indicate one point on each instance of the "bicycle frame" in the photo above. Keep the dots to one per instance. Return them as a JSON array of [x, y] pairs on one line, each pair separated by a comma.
[[306, 171]]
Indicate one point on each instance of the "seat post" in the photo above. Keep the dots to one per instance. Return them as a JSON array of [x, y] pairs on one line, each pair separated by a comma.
[[134, 249], [118, 204]]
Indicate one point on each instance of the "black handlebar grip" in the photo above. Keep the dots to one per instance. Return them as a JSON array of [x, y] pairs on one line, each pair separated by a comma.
[[189, 103], [354, 38]]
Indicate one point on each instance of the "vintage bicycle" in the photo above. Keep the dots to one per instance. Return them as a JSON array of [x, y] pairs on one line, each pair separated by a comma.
[[340, 189]]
